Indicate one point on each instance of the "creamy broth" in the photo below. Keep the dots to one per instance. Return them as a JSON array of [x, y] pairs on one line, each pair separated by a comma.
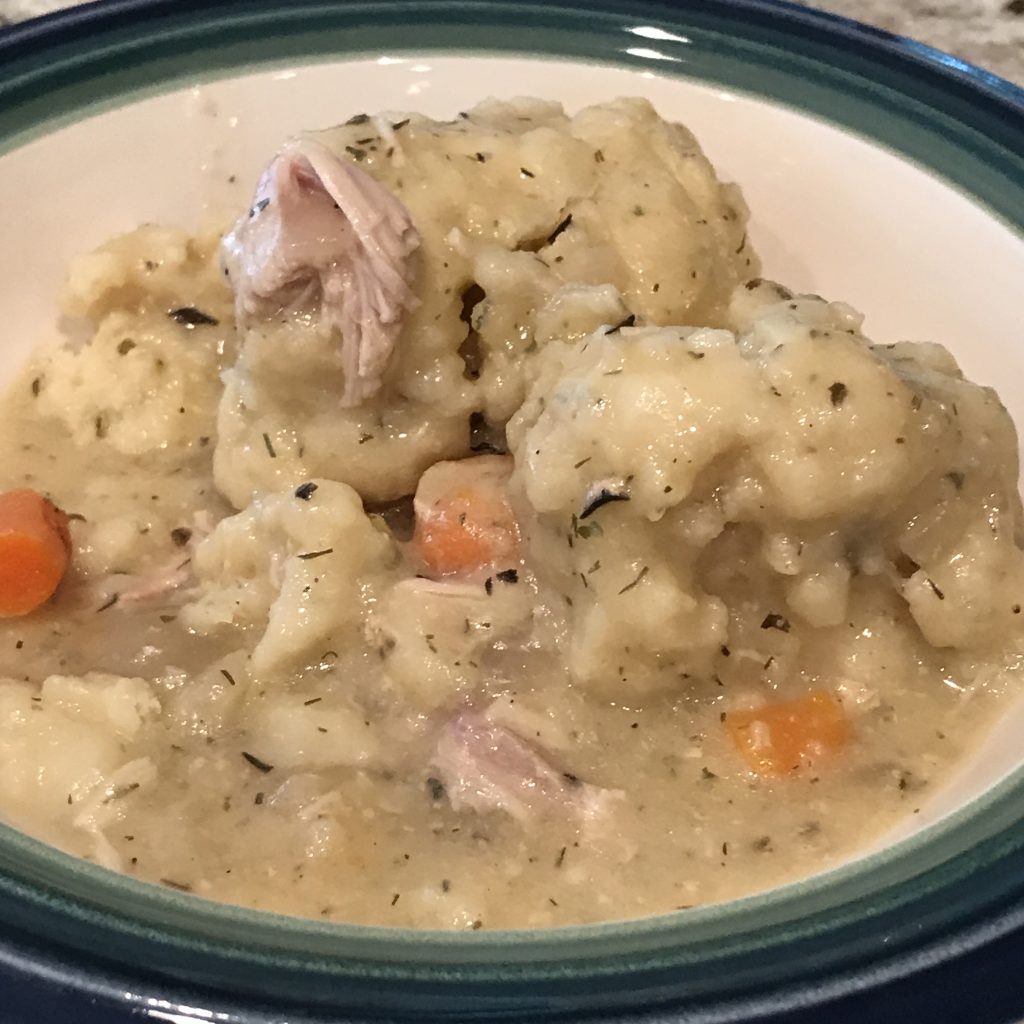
[[540, 706]]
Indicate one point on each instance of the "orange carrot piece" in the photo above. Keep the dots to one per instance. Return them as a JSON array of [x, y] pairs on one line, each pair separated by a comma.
[[778, 739], [35, 550], [464, 523], [466, 532]]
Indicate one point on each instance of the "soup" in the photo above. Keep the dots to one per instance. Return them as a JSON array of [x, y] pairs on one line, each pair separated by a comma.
[[469, 537]]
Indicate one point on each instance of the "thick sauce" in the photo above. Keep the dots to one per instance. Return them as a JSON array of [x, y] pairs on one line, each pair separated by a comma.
[[264, 700]]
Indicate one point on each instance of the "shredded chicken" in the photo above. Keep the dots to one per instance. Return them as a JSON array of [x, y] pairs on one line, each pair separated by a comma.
[[164, 584], [485, 766], [323, 231], [427, 590]]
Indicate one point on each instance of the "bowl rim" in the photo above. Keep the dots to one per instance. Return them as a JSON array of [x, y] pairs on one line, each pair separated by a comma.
[[28, 76]]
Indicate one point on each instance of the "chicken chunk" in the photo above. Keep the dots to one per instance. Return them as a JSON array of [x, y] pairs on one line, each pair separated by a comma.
[[485, 766], [324, 235]]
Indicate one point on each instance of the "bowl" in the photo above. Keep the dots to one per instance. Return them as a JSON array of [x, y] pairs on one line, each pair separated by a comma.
[[879, 172]]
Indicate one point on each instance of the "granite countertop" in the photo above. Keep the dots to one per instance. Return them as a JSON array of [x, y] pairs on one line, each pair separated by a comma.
[[989, 33]]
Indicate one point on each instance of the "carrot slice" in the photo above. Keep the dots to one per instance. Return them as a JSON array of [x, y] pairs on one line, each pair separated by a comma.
[[781, 738], [466, 532], [464, 524], [35, 550]]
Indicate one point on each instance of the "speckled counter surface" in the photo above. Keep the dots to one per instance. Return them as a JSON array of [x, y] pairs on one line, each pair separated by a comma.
[[989, 33]]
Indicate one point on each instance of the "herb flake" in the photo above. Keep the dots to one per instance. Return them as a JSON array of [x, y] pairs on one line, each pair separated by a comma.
[[563, 225], [603, 497], [189, 316], [640, 575], [585, 530], [260, 766], [628, 322], [837, 393], [171, 884], [307, 555]]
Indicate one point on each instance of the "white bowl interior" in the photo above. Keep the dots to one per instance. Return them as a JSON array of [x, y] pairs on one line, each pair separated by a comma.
[[833, 213]]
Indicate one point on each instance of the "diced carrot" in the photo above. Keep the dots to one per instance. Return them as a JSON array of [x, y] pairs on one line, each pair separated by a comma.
[[777, 739], [464, 524], [35, 550]]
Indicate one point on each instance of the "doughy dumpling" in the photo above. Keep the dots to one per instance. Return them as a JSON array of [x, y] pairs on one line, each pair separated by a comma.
[[63, 751], [164, 357], [300, 566], [685, 489], [512, 202]]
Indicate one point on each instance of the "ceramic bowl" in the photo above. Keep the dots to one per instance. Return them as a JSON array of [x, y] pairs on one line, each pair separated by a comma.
[[878, 171]]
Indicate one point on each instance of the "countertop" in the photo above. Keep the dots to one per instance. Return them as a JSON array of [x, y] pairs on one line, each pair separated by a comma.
[[989, 33]]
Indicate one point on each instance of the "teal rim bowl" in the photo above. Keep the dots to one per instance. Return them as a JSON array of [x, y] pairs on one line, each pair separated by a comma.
[[930, 900]]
